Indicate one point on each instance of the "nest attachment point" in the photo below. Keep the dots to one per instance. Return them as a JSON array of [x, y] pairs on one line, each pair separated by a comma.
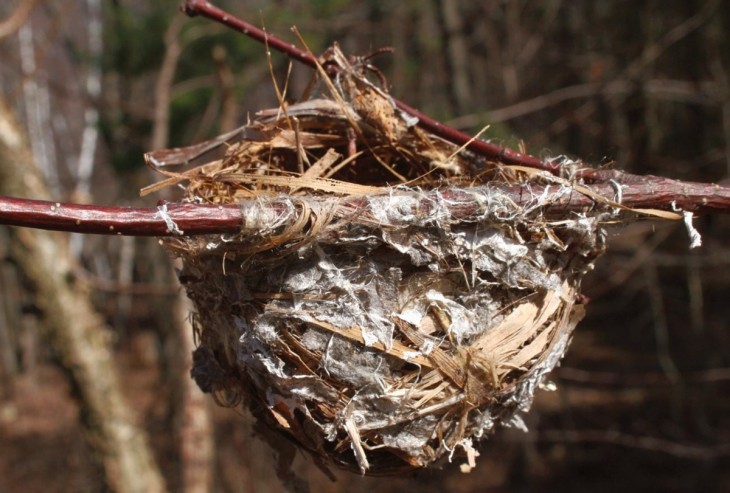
[[386, 304]]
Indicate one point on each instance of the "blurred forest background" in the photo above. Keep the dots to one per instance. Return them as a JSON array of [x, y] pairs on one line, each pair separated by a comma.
[[643, 398]]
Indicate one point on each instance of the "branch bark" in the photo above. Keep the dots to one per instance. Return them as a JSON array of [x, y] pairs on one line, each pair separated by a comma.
[[170, 219]]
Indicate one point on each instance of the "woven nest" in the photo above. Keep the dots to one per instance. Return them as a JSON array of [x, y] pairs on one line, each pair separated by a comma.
[[386, 304]]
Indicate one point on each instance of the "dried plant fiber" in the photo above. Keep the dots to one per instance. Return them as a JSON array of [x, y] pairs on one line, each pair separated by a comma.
[[385, 304]]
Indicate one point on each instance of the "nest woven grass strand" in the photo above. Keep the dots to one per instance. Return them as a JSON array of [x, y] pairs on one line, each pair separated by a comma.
[[384, 304]]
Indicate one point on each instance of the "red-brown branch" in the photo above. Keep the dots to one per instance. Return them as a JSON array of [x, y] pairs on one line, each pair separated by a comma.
[[490, 151], [195, 219], [131, 221]]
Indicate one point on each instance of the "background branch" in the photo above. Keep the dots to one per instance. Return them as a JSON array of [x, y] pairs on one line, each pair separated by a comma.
[[485, 149], [17, 18]]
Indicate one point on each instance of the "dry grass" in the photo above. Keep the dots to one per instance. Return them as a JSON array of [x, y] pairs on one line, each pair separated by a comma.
[[363, 318]]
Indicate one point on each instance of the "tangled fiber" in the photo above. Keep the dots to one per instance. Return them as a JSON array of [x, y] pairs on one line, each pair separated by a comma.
[[386, 304]]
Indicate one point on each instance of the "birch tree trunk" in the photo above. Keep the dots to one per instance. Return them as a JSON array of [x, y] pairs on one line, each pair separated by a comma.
[[195, 423], [75, 330]]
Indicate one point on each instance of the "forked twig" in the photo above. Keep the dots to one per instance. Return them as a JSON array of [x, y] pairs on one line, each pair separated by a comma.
[[489, 151]]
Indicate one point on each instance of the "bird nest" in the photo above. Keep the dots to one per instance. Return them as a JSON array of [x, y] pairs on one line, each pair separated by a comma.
[[387, 303]]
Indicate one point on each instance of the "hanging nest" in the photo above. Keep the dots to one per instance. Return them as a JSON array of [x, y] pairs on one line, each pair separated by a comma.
[[386, 303]]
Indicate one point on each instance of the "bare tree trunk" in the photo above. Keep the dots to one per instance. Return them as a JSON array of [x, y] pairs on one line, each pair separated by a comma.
[[87, 155], [194, 414], [76, 331], [37, 102], [456, 53], [17, 18]]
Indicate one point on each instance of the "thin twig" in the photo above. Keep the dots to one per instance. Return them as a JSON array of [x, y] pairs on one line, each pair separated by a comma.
[[648, 443], [680, 91], [173, 48], [490, 151], [633, 71], [135, 221], [196, 219], [624, 380]]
